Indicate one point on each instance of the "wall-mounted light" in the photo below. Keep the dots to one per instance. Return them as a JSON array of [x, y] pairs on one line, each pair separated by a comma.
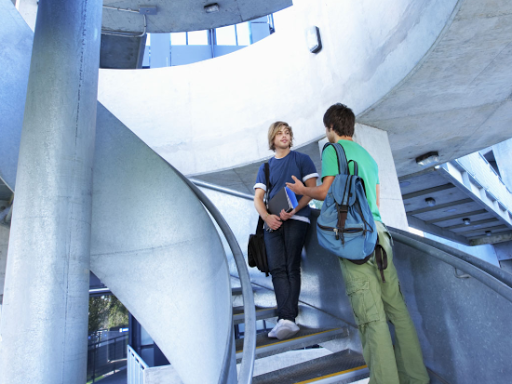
[[427, 158], [313, 39], [466, 221], [211, 8], [430, 201]]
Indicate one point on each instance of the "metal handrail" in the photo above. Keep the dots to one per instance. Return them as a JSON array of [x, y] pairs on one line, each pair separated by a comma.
[[224, 190], [249, 351], [492, 282], [497, 273]]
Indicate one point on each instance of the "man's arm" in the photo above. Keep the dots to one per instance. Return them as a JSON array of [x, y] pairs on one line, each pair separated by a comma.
[[302, 202], [378, 195], [315, 192], [272, 221]]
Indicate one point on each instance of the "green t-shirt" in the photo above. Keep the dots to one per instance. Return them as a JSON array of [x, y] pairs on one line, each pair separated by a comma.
[[368, 169]]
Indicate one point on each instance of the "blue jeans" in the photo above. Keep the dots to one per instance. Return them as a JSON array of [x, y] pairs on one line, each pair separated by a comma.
[[284, 248]]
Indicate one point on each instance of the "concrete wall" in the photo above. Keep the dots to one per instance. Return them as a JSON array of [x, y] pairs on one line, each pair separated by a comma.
[[503, 156], [28, 10], [503, 250], [200, 117], [4, 241]]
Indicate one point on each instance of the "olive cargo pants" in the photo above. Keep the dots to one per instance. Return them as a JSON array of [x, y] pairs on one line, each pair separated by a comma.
[[374, 303]]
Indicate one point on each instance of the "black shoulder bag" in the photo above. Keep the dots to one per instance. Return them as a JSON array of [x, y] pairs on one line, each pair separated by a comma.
[[256, 254]]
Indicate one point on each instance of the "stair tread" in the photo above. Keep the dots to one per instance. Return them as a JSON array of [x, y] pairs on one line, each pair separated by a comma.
[[262, 313], [304, 338], [343, 366]]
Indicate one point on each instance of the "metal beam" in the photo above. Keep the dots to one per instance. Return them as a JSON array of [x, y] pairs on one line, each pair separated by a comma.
[[413, 175], [494, 239], [427, 191], [459, 216], [441, 206], [446, 174], [493, 220], [468, 234]]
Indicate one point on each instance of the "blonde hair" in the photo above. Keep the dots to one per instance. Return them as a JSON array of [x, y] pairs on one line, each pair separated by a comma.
[[273, 131]]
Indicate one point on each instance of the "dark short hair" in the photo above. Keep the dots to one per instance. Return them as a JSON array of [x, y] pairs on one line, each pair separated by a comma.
[[341, 119]]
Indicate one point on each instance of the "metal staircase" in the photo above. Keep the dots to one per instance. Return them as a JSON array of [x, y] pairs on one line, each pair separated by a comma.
[[343, 366]]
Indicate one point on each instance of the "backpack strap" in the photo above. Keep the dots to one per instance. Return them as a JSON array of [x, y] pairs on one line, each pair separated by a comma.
[[342, 158], [267, 178], [259, 227], [343, 168]]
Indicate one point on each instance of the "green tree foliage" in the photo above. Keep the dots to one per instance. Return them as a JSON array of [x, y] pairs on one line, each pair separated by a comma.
[[106, 312], [118, 314]]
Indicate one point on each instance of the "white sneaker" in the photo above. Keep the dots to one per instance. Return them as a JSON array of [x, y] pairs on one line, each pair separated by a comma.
[[286, 329], [273, 333]]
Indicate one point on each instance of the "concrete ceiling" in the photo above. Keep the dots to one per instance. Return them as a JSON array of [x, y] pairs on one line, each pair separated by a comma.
[[122, 52], [452, 206], [458, 99], [184, 15]]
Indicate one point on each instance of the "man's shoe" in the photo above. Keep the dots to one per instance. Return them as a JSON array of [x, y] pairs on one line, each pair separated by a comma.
[[273, 333], [286, 330]]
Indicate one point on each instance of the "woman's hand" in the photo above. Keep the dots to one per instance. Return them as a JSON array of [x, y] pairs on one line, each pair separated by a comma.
[[273, 222]]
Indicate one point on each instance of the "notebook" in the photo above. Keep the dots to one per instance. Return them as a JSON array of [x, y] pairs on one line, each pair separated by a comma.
[[283, 199]]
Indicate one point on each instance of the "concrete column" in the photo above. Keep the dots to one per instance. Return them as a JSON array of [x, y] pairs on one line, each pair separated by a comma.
[[160, 50], [376, 142], [43, 333]]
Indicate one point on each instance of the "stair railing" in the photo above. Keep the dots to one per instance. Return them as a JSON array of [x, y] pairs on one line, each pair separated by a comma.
[[454, 259], [135, 367]]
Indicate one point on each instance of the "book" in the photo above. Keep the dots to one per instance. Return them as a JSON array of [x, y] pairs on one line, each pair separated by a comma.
[[283, 199]]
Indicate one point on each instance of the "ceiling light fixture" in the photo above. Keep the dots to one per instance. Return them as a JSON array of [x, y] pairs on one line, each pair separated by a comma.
[[211, 8], [430, 201], [427, 158], [466, 221], [488, 233]]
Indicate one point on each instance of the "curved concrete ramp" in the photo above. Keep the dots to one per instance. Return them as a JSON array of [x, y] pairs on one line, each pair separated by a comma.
[[155, 247], [153, 243], [215, 114]]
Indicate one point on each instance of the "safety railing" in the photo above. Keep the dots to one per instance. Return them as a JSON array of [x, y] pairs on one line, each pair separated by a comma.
[[136, 367], [483, 174], [492, 279], [105, 357]]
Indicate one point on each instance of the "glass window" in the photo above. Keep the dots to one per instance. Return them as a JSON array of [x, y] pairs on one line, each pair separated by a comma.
[[226, 35], [148, 39], [179, 38], [243, 32], [198, 38]]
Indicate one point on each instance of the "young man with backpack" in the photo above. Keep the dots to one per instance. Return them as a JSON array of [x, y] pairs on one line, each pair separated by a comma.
[[373, 288], [285, 234]]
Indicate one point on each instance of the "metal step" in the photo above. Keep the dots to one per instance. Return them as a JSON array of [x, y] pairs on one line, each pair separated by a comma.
[[340, 367], [261, 314], [236, 290], [305, 338]]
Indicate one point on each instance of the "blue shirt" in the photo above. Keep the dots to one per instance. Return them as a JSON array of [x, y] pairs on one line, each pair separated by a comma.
[[281, 170]]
